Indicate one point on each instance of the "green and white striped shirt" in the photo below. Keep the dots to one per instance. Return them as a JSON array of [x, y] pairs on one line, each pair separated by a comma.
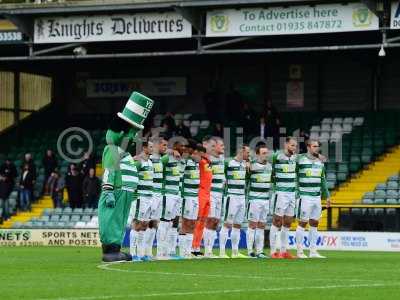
[[218, 174], [191, 179], [129, 174], [311, 177], [236, 177], [171, 175], [260, 181], [284, 172], [157, 173], [145, 171]]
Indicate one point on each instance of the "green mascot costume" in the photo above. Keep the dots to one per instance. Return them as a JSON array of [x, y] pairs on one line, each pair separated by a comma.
[[120, 176]]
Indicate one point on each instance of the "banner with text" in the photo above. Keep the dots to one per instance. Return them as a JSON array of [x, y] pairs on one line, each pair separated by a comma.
[[49, 237], [291, 20], [352, 241], [110, 88], [144, 26], [395, 15]]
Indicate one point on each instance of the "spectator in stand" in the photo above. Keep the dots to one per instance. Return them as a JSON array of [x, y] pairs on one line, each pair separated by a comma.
[[56, 186], [303, 138], [26, 184], [49, 165], [170, 121], [233, 101], [270, 112], [28, 160], [182, 130], [211, 105], [167, 132], [247, 120], [87, 164], [73, 183], [91, 189], [218, 130], [8, 173]]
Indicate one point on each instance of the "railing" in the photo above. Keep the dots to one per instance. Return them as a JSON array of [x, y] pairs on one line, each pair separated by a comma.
[[388, 218]]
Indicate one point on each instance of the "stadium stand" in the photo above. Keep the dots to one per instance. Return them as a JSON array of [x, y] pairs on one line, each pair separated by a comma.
[[363, 142]]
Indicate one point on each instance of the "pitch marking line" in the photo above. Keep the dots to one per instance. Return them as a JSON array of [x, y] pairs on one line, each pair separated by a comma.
[[107, 267], [234, 291]]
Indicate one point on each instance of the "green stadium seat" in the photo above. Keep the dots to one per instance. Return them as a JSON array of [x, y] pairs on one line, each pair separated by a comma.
[[379, 201], [88, 211], [392, 201], [394, 178], [380, 194], [17, 225], [48, 211], [75, 218], [355, 164], [37, 225], [343, 167], [67, 211], [392, 194], [341, 177], [381, 186], [69, 225], [50, 224], [367, 201], [86, 218], [78, 211], [55, 218], [331, 184], [60, 225], [64, 218], [331, 176], [45, 218], [366, 159], [28, 224], [58, 211], [369, 195], [392, 185]]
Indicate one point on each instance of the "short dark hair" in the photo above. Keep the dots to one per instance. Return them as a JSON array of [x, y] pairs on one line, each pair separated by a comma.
[[200, 148], [157, 139], [206, 138], [310, 141], [260, 146], [290, 138], [192, 144]]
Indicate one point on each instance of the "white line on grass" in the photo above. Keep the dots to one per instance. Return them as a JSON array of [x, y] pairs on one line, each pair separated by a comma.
[[216, 292], [107, 267]]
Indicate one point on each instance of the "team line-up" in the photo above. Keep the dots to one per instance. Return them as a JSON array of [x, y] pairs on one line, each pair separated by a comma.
[[183, 194]]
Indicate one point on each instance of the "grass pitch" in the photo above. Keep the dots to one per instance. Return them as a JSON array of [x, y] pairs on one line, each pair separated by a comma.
[[53, 273]]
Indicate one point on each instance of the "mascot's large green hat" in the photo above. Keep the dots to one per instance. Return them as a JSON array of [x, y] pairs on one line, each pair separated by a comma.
[[136, 110]]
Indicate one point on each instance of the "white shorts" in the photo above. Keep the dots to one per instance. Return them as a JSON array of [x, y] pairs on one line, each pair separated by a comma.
[[156, 207], [170, 205], [258, 210], [178, 207], [308, 208], [235, 209], [142, 209], [190, 208], [215, 205], [284, 204]]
